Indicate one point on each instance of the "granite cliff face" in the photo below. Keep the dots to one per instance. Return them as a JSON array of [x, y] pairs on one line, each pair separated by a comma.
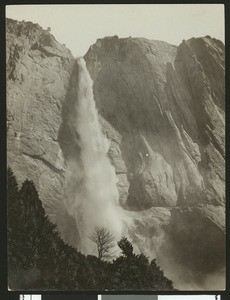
[[161, 108], [38, 72], [168, 107]]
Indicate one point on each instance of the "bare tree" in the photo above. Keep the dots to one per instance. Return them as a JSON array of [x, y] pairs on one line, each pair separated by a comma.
[[104, 241]]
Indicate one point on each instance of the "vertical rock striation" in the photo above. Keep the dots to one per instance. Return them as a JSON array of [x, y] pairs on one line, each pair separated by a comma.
[[130, 99], [167, 103]]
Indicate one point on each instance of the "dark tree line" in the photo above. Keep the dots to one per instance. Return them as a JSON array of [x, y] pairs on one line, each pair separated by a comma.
[[39, 259]]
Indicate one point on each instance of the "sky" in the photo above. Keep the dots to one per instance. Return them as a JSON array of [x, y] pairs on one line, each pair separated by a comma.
[[79, 26]]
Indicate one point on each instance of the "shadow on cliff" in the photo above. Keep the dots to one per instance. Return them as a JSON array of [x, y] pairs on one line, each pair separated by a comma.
[[64, 220], [193, 251], [65, 137]]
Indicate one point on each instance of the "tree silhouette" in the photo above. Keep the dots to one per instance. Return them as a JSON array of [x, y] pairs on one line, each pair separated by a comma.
[[134, 272], [104, 242], [126, 247]]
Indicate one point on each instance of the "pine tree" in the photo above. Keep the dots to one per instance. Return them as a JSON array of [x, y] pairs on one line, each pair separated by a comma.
[[126, 247], [134, 272], [31, 222]]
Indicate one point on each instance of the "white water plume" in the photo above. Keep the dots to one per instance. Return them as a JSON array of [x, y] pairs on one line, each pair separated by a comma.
[[91, 185]]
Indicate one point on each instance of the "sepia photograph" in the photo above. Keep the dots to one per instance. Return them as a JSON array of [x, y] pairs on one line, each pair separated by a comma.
[[116, 148]]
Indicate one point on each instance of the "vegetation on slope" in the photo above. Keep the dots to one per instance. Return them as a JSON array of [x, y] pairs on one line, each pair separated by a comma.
[[39, 259]]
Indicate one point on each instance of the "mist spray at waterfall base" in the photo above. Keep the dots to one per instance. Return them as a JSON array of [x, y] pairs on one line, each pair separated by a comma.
[[91, 182]]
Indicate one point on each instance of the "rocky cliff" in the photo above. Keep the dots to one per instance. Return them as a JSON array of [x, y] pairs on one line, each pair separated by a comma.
[[168, 106], [38, 71], [162, 109]]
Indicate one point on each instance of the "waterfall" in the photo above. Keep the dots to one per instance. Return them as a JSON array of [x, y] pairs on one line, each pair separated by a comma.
[[91, 181]]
